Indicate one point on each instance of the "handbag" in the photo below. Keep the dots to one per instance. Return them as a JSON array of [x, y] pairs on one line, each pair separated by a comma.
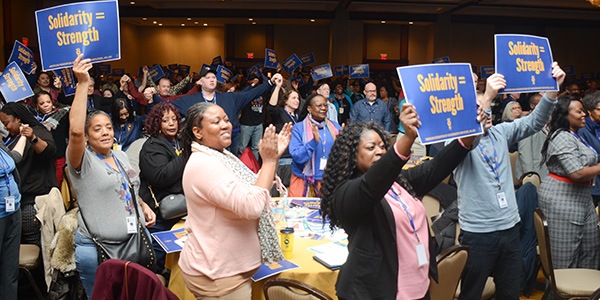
[[138, 248], [171, 206]]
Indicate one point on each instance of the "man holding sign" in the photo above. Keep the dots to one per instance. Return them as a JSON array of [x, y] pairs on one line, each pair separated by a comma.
[[488, 212]]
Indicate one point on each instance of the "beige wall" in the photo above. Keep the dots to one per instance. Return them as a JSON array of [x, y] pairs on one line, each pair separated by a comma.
[[383, 38], [576, 46]]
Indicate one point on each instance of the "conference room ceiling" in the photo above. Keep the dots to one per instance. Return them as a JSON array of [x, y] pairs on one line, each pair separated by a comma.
[[220, 12]]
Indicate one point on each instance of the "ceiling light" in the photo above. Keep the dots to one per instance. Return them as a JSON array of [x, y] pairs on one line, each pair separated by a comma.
[[250, 19], [312, 20], [144, 19], [382, 22], [196, 22], [182, 24], [160, 24], [253, 23], [205, 24], [189, 19], [132, 2], [154, 22], [410, 23]]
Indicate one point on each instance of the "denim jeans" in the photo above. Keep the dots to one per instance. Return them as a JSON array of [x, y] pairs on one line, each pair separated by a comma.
[[86, 260], [250, 136], [10, 238], [496, 254]]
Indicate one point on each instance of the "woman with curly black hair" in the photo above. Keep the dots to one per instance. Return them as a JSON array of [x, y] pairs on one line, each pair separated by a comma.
[[161, 166], [366, 192]]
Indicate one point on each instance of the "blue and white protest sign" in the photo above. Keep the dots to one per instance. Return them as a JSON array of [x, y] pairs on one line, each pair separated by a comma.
[[291, 63], [526, 63], [223, 74], [217, 61], [308, 59], [341, 70], [103, 69], [359, 71], [487, 71], [445, 99], [13, 84], [321, 72], [298, 79], [254, 70], [118, 72], [442, 60], [156, 73], [184, 69], [65, 31], [67, 79], [23, 56], [270, 59]]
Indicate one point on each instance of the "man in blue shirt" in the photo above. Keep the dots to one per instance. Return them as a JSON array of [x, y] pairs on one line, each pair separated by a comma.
[[371, 109]]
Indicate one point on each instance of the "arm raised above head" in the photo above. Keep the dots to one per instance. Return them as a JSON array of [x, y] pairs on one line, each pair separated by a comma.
[[78, 112]]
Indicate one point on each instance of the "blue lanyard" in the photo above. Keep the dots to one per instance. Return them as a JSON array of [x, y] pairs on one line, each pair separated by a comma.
[[392, 192], [7, 172], [126, 127], [214, 100], [42, 118], [124, 179], [91, 103], [495, 166], [11, 140], [583, 141], [292, 116]]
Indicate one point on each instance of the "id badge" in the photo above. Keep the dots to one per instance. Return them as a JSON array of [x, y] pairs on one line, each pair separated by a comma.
[[502, 200], [131, 224], [421, 255], [116, 146], [9, 203], [341, 110], [322, 163]]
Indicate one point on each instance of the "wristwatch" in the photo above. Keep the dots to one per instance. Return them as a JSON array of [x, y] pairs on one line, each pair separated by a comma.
[[35, 140]]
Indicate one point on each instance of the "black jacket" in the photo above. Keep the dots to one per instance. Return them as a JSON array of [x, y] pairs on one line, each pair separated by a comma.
[[371, 271], [161, 168]]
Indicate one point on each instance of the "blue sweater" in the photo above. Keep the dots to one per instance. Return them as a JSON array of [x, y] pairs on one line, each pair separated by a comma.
[[591, 134], [478, 206], [302, 153], [232, 103]]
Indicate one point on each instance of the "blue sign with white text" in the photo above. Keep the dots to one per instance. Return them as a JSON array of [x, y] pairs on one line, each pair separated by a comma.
[[321, 72], [118, 72], [298, 79], [308, 59], [270, 59], [341, 70], [526, 63], [156, 73], [67, 79], [223, 74], [445, 100], [487, 71], [23, 56], [359, 71], [13, 84], [291, 63], [65, 31]]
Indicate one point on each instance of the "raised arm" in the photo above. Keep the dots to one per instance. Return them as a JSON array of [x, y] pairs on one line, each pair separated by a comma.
[[275, 95], [78, 112], [144, 79]]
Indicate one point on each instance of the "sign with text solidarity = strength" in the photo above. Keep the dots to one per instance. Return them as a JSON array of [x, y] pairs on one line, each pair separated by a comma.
[[526, 63], [13, 84], [67, 79], [23, 56], [65, 31], [445, 100]]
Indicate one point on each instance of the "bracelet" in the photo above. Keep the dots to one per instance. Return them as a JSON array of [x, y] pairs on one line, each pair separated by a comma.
[[488, 112]]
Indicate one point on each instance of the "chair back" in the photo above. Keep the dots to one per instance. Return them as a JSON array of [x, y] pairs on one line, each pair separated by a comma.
[[513, 164], [432, 210], [288, 289], [66, 189], [541, 230], [595, 295], [451, 264]]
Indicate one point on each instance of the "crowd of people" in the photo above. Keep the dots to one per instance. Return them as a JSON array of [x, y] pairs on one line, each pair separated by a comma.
[[343, 140]]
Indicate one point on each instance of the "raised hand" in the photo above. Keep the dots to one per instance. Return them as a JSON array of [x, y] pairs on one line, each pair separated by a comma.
[[267, 147], [80, 68], [315, 131], [410, 120], [283, 138]]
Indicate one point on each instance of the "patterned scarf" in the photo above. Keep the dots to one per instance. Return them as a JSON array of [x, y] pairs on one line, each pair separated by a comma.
[[52, 121], [310, 189], [267, 232]]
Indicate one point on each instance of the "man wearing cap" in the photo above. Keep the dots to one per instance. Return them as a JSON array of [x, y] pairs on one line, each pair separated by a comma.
[[232, 103]]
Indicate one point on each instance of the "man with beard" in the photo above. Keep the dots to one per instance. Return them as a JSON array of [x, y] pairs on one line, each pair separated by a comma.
[[371, 109]]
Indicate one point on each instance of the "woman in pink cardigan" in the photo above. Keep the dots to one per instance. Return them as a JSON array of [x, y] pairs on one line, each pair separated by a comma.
[[226, 204]]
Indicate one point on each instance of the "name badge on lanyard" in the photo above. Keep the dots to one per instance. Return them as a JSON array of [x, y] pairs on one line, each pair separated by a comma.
[[9, 202], [131, 224]]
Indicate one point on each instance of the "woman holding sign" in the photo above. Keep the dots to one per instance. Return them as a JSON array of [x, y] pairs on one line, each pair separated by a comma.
[[566, 195], [366, 192]]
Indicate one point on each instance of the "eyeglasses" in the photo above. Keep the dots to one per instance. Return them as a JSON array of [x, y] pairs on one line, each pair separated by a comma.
[[370, 91]]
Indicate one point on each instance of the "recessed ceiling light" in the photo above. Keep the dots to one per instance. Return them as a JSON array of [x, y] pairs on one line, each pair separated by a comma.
[[189, 19], [250, 19], [312, 20], [205, 24], [160, 24], [253, 23], [154, 22], [144, 19], [196, 22], [182, 24], [410, 23], [382, 22], [132, 2]]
